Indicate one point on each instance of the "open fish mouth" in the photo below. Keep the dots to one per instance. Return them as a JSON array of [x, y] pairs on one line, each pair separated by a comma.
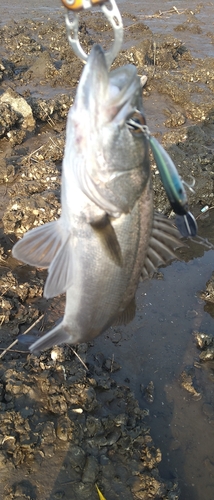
[[107, 96]]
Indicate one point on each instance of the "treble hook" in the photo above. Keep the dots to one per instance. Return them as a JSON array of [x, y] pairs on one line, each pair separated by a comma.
[[190, 186], [113, 16]]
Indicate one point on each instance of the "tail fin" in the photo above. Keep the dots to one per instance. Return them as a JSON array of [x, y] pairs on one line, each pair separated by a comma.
[[56, 336]]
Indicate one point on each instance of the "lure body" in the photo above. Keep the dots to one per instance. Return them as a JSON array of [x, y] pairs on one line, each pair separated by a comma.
[[170, 177], [174, 188]]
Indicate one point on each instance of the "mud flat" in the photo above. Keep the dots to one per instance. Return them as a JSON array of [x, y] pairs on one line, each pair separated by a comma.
[[65, 428]]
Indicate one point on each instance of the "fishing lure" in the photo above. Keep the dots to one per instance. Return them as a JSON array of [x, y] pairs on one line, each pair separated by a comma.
[[170, 177], [174, 187], [172, 182], [186, 224]]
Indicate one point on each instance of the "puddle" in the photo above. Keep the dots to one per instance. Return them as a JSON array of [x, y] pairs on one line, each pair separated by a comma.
[[157, 346]]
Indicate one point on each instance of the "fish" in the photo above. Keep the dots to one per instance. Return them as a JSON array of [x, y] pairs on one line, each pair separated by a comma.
[[107, 236]]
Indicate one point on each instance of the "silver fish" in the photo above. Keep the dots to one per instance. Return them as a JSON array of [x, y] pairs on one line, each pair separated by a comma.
[[107, 235]]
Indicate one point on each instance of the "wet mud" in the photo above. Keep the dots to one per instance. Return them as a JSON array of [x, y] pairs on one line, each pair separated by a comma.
[[138, 419]]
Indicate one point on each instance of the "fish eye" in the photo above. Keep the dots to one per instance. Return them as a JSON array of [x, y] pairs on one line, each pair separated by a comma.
[[136, 122]]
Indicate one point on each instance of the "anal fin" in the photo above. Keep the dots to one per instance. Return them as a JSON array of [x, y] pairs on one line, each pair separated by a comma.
[[127, 315], [108, 238], [49, 246]]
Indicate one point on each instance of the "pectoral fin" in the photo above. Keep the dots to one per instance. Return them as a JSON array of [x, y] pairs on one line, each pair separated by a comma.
[[164, 239], [39, 246], [108, 238], [49, 246]]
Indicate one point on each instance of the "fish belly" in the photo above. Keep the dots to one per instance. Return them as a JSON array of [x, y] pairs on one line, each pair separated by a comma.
[[102, 290]]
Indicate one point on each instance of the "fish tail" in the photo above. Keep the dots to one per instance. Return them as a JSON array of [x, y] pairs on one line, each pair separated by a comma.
[[56, 336]]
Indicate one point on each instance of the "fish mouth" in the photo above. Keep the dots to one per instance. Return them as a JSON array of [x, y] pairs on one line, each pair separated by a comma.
[[108, 97], [129, 95]]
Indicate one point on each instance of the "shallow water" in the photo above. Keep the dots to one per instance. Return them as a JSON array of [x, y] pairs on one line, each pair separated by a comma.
[[158, 346]]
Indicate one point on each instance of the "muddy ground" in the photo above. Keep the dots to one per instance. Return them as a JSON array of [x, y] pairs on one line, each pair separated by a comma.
[[65, 428]]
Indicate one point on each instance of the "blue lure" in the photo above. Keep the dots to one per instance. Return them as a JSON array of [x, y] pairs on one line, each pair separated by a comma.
[[186, 224], [174, 187], [172, 182], [170, 177]]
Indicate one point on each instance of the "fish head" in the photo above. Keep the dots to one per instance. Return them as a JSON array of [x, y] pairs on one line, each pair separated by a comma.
[[109, 160]]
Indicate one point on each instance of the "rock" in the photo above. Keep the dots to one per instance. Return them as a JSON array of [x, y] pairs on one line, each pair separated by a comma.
[[187, 382], [77, 457], [207, 355], [175, 120], [20, 106], [91, 470], [148, 392], [203, 340], [208, 294], [62, 430], [48, 434], [8, 118]]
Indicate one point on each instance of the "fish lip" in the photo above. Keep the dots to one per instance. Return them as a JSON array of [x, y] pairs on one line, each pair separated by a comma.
[[97, 52], [94, 80]]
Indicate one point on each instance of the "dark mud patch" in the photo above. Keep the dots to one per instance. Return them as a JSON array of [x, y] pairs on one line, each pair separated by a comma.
[[56, 418], [63, 428]]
